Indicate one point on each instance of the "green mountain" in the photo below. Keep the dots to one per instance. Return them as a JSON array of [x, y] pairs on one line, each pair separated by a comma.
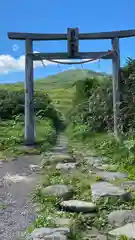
[[60, 87], [65, 79]]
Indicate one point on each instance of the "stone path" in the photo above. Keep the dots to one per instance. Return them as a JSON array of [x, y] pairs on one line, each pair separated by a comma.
[[122, 222], [19, 177]]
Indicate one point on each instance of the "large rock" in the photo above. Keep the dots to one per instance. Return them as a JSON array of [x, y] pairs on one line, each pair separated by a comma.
[[120, 217], [66, 166], [109, 176], [78, 206], [61, 158], [91, 160], [55, 158], [92, 233], [103, 167], [59, 190], [104, 189], [63, 222], [127, 230], [50, 234]]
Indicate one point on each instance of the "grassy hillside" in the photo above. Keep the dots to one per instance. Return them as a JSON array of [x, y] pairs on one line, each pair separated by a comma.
[[60, 87]]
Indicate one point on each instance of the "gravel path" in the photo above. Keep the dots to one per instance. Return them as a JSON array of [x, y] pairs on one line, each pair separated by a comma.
[[17, 181]]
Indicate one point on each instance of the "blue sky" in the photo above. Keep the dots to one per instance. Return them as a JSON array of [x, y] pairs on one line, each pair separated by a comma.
[[55, 16]]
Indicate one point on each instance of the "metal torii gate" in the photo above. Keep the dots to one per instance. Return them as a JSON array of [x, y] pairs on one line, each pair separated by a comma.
[[72, 36]]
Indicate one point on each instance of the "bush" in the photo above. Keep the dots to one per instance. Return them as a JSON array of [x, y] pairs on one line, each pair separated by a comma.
[[127, 87], [95, 106], [12, 137], [78, 131], [12, 104], [93, 102]]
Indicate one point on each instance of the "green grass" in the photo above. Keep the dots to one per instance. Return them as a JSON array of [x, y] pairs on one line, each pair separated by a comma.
[[62, 98], [12, 138], [121, 154]]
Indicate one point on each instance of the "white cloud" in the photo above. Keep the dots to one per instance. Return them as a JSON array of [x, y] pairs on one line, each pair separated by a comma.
[[11, 64]]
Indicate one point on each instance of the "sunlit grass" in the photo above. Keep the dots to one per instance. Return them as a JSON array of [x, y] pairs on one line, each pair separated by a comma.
[[12, 137]]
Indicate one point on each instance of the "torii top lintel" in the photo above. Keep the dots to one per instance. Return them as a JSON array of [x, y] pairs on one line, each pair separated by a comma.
[[82, 36]]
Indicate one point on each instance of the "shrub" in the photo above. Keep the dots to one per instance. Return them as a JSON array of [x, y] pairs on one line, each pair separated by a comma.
[[12, 104], [93, 102]]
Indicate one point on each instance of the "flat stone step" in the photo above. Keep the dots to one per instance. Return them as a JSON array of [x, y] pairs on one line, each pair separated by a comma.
[[55, 158], [63, 222], [66, 166], [94, 160], [93, 233], [50, 233], [78, 206], [61, 158], [105, 189], [89, 153], [109, 176], [127, 230], [59, 190], [103, 167], [118, 218]]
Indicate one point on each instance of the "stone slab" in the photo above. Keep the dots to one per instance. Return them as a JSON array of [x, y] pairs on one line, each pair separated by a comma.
[[103, 167], [78, 206], [59, 190], [61, 158], [94, 160], [127, 230], [50, 234], [66, 166], [110, 176], [119, 218], [105, 189]]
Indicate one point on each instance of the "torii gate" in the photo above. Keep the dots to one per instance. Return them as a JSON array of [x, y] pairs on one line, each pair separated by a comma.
[[72, 36]]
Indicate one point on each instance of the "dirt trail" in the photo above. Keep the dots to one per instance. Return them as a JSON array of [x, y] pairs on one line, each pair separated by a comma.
[[17, 180]]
